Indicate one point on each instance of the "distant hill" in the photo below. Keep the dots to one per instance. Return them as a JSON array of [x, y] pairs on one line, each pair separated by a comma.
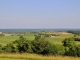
[[31, 30]]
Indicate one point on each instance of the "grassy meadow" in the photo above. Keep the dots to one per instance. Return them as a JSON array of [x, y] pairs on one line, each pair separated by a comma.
[[55, 39], [8, 39]]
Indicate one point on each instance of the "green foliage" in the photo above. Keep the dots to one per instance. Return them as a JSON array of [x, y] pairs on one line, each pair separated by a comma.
[[37, 37], [77, 39], [78, 50], [77, 32], [72, 52], [70, 47], [60, 50], [68, 42], [47, 35], [0, 48], [50, 50], [8, 48], [40, 45], [20, 45], [23, 45], [75, 35]]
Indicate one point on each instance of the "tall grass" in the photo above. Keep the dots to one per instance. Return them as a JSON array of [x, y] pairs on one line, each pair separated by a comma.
[[36, 57]]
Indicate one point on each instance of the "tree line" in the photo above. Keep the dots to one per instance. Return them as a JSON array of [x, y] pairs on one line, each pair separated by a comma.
[[42, 46], [77, 32]]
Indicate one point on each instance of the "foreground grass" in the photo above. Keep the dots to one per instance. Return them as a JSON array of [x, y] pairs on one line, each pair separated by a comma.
[[9, 59], [34, 57]]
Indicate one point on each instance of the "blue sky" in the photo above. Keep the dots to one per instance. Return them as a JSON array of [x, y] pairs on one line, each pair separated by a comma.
[[39, 14]]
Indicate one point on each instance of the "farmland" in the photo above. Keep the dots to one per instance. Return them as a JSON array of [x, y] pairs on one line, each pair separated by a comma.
[[56, 39], [4, 40]]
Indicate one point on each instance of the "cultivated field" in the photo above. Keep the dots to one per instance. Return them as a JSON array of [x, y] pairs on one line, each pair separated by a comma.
[[54, 39]]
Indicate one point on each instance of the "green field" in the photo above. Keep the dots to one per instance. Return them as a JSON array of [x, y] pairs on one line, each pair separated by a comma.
[[56, 39], [8, 39]]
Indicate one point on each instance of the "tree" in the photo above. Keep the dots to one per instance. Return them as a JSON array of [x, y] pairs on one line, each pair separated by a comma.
[[49, 50], [21, 45], [60, 50], [70, 46], [0, 48], [39, 45], [68, 42], [37, 37], [54, 50], [8, 48], [78, 50], [42, 46]]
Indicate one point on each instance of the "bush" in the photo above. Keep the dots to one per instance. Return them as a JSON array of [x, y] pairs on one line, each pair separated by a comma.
[[8, 48], [42, 46], [78, 50], [39, 45], [21, 45], [70, 47], [60, 50]]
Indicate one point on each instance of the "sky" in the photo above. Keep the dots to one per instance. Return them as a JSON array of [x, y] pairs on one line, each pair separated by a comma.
[[39, 14]]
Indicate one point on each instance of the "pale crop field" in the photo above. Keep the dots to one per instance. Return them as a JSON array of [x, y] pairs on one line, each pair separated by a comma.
[[34, 57], [10, 59]]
